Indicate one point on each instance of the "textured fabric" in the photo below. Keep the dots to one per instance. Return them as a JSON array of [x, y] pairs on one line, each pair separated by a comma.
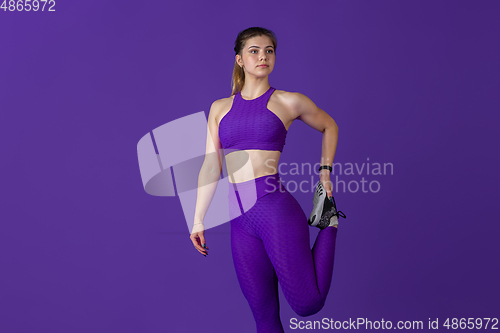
[[249, 124], [270, 243]]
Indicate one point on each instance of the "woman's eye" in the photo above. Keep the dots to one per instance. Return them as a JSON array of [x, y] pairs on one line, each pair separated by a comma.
[[270, 51]]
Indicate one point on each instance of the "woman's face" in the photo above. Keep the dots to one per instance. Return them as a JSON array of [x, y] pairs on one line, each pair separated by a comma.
[[257, 51]]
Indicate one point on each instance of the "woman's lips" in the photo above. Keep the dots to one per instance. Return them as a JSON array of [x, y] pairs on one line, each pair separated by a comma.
[[263, 66]]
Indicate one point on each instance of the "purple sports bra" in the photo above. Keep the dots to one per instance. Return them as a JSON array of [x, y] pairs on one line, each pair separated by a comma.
[[249, 124]]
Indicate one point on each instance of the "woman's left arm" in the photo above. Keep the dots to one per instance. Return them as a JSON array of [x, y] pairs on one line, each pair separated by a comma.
[[309, 113]]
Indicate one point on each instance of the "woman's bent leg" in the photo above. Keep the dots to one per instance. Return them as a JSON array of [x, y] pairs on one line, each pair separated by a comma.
[[305, 276]]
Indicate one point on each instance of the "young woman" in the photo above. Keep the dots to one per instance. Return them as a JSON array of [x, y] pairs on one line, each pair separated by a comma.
[[269, 233]]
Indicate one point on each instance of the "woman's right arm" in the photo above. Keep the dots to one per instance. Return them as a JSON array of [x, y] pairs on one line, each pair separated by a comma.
[[208, 178]]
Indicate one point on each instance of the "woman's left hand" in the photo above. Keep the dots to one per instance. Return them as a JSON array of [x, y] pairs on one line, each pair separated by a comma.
[[324, 178]]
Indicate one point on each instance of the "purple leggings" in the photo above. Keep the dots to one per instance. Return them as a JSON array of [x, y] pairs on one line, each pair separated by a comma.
[[270, 243]]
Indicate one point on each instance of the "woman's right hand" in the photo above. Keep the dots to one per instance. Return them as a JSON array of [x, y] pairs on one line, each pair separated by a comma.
[[198, 238]]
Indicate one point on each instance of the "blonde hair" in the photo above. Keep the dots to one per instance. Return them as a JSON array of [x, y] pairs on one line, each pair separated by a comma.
[[238, 79]]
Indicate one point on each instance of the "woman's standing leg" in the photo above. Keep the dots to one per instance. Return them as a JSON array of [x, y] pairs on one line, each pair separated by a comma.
[[254, 270], [256, 276]]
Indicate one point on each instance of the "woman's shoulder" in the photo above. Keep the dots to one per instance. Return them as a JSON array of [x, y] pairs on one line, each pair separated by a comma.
[[223, 101], [289, 98], [289, 94], [219, 105], [294, 102], [284, 94]]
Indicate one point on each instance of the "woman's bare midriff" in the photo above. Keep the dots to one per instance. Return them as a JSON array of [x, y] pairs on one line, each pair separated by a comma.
[[246, 165]]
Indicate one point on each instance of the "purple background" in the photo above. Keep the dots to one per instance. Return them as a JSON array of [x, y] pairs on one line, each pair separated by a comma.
[[83, 248]]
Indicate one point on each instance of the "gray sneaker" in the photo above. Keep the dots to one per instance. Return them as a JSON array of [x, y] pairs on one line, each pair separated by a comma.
[[324, 211]]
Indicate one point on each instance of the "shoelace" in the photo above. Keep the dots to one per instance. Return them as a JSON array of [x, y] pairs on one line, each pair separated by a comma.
[[339, 213]]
